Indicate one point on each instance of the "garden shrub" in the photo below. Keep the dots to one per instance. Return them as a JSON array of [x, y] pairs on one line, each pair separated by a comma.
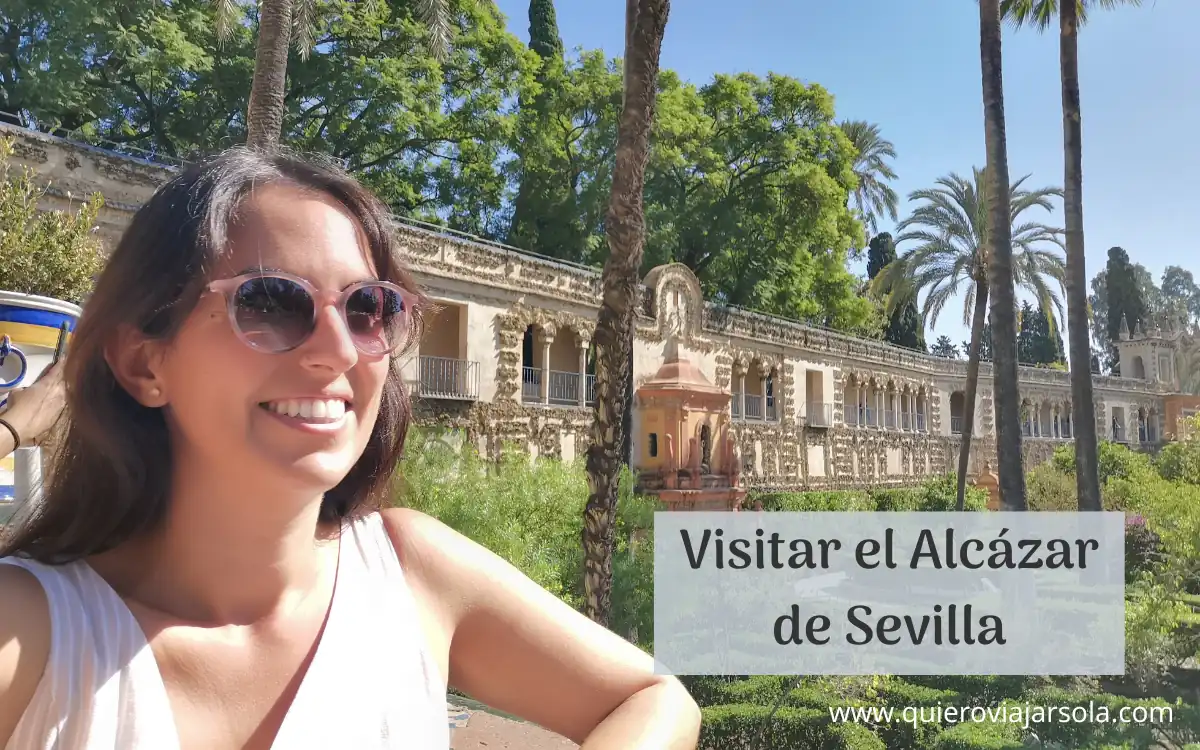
[[1049, 489], [980, 735], [1092, 720], [806, 502], [740, 725], [935, 494], [1179, 462], [51, 253], [531, 514], [1143, 548], [1113, 460], [941, 494], [984, 689]]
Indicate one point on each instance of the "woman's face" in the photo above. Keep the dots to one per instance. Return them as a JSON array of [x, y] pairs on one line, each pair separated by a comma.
[[302, 417]]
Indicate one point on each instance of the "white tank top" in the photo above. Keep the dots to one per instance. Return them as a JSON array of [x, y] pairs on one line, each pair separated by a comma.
[[371, 685]]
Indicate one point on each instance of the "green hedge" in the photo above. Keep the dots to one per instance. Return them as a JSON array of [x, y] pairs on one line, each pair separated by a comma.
[[1086, 729], [738, 726], [980, 736], [935, 494]]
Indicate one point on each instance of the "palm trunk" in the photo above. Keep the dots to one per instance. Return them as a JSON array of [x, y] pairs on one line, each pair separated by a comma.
[[625, 227], [264, 115], [1083, 419], [968, 429], [1003, 307]]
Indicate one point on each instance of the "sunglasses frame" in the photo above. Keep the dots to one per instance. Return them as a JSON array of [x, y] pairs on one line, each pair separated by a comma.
[[321, 298]]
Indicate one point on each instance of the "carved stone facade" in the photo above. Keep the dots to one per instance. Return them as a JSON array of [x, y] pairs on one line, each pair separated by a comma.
[[507, 358]]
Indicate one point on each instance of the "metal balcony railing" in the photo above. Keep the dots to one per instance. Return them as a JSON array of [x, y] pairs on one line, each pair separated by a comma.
[[818, 414], [531, 384], [920, 421], [754, 406], [956, 425], [443, 377], [564, 387]]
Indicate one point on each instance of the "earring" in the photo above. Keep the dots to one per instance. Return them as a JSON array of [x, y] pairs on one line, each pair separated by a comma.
[[155, 392]]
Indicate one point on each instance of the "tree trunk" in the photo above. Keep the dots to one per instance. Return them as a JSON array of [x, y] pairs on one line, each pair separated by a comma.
[[264, 115], [625, 227], [1010, 469], [968, 429], [1083, 418]]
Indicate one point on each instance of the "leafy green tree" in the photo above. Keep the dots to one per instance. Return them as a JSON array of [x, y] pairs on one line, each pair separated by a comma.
[[429, 137], [1037, 341], [1181, 297], [953, 253], [282, 22], [944, 348], [873, 196], [904, 326], [1125, 301], [748, 186]]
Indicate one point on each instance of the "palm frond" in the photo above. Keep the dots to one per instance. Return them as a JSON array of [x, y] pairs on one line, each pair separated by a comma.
[[947, 240], [304, 26], [435, 14], [227, 12], [1043, 14]]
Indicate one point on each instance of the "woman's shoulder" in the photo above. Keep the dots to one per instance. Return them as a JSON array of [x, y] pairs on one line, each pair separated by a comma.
[[24, 643], [423, 543]]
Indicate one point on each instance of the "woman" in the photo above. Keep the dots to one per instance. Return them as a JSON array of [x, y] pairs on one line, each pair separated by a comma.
[[214, 565]]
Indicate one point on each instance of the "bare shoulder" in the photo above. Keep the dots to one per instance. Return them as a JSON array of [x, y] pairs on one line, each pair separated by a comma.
[[24, 643], [440, 559]]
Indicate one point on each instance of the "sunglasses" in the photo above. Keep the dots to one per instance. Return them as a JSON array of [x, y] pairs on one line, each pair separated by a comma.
[[276, 312]]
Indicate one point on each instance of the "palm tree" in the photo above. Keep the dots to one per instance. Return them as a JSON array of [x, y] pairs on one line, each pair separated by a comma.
[[873, 197], [280, 22], [1070, 16], [1009, 464], [954, 253], [625, 227]]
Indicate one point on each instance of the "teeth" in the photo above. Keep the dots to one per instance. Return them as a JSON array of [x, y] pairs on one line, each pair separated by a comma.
[[333, 408]]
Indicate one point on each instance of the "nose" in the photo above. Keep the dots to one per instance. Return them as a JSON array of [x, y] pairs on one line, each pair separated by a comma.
[[330, 347]]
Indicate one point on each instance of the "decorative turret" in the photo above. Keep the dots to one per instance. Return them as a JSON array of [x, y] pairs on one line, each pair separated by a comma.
[[1149, 352]]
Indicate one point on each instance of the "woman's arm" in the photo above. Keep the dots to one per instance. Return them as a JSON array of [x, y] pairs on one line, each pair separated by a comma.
[[24, 644], [33, 411], [518, 648]]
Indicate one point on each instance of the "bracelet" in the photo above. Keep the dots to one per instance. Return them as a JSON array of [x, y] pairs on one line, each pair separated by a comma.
[[13, 430]]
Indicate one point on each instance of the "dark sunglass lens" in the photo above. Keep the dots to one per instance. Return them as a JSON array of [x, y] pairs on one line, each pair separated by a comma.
[[274, 314], [376, 317]]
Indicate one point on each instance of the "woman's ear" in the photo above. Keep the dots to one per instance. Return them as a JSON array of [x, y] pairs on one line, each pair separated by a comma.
[[135, 360]]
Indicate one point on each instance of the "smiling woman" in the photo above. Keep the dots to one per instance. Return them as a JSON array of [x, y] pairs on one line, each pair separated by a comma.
[[212, 565]]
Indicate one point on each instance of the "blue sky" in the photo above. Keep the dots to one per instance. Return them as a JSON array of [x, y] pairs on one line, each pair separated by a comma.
[[912, 66]]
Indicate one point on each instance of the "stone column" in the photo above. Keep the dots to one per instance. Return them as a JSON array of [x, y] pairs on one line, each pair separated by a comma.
[[583, 351], [547, 339], [762, 394], [741, 394]]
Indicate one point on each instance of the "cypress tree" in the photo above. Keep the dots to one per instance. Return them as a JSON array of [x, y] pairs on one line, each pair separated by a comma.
[[905, 327]]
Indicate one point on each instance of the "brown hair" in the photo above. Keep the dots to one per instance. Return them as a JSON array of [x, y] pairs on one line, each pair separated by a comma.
[[111, 475]]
